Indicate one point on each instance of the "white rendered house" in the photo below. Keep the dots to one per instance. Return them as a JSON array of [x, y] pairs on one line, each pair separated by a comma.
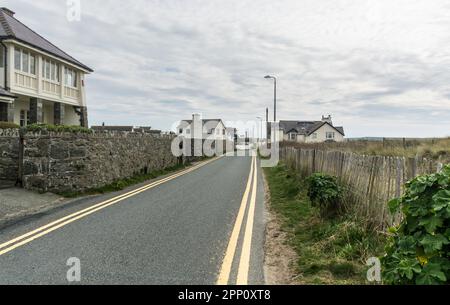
[[39, 83]]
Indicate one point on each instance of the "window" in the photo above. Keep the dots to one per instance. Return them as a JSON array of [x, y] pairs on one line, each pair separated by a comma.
[[314, 135], [17, 59], [292, 136], [24, 61], [50, 70], [33, 64], [181, 131], [330, 135], [188, 131], [24, 118], [70, 77]]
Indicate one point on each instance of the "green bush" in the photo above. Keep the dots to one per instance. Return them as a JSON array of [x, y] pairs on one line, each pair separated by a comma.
[[8, 125], [419, 250], [325, 193], [57, 128]]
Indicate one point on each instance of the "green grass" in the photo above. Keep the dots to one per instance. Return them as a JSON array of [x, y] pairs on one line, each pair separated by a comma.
[[330, 251], [121, 184]]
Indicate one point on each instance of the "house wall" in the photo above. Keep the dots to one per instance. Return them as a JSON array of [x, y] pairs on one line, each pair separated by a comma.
[[9, 157], [321, 135], [36, 85], [68, 162]]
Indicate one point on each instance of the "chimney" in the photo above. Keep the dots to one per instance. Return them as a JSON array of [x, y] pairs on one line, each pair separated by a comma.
[[327, 119], [197, 126], [8, 11]]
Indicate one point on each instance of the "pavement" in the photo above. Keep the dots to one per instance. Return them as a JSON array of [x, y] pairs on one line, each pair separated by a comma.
[[17, 203], [194, 227]]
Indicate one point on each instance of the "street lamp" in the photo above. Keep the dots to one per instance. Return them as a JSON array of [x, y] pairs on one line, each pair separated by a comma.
[[261, 121], [274, 96]]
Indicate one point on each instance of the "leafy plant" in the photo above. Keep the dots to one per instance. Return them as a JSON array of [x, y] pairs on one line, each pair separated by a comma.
[[8, 125], [419, 250], [57, 128], [324, 193]]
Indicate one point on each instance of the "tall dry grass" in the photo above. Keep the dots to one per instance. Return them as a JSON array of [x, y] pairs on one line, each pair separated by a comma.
[[435, 149]]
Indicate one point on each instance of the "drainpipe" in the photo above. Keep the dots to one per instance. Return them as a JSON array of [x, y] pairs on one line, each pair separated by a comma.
[[5, 59]]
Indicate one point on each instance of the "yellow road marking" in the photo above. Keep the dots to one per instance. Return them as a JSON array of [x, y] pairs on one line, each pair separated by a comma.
[[224, 274], [85, 212], [244, 265]]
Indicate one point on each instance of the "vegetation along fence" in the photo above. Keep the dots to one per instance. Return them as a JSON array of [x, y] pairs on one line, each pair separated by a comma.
[[369, 181]]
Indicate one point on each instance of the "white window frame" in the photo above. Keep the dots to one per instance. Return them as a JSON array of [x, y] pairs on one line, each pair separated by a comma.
[[292, 136], [330, 135], [52, 68], [22, 53], [73, 77]]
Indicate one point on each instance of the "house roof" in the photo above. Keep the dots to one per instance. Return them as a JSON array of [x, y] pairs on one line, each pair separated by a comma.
[[3, 92], [306, 127], [11, 28]]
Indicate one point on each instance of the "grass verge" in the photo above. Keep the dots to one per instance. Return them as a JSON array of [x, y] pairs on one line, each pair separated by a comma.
[[330, 251], [124, 183]]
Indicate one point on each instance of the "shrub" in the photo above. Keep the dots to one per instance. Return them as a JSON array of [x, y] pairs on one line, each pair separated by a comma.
[[57, 128], [419, 250], [325, 193], [8, 125]]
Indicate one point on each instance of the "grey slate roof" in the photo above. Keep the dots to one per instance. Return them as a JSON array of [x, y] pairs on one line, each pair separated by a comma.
[[305, 128], [3, 92], [11, 28]]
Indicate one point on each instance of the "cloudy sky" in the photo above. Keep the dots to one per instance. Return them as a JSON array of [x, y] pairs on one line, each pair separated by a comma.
[[379, 67]]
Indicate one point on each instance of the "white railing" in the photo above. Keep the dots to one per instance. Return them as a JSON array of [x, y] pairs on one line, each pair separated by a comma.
[[71, 92], [26, 81], [51, 87]]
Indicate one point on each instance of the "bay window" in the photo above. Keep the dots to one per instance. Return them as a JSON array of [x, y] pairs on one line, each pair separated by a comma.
[[70, 77], [50, 70], [24, 61]]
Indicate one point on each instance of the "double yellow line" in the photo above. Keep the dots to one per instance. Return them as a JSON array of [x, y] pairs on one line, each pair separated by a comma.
[[44, 230], [244, 262]]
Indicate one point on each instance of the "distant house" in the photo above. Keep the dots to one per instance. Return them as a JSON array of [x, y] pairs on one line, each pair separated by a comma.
[[197, 128], [311, 131], [39, 82]]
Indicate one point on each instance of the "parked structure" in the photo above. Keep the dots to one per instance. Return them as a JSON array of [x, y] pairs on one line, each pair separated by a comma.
[[311, 131], [39, 83]]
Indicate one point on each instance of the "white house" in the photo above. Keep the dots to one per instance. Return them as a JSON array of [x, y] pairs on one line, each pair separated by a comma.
[[213, 129], [39, 83], [311, 131]]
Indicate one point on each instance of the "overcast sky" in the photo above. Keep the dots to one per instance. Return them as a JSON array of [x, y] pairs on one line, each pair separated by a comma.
[[379, 67]]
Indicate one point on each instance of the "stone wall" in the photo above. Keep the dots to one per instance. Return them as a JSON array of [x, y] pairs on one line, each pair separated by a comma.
[[68, 162], [9, 157]]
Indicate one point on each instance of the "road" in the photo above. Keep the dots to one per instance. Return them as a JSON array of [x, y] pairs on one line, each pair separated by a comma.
[[204, 225]]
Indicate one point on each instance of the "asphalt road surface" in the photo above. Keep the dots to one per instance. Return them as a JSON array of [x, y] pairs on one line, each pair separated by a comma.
[[204, 225]]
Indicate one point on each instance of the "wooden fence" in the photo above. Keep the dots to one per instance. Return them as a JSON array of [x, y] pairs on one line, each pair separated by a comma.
[[369, 181]]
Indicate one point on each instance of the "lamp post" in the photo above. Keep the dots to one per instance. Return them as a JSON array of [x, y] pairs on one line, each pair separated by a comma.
[[261, 133], [274, 96]]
